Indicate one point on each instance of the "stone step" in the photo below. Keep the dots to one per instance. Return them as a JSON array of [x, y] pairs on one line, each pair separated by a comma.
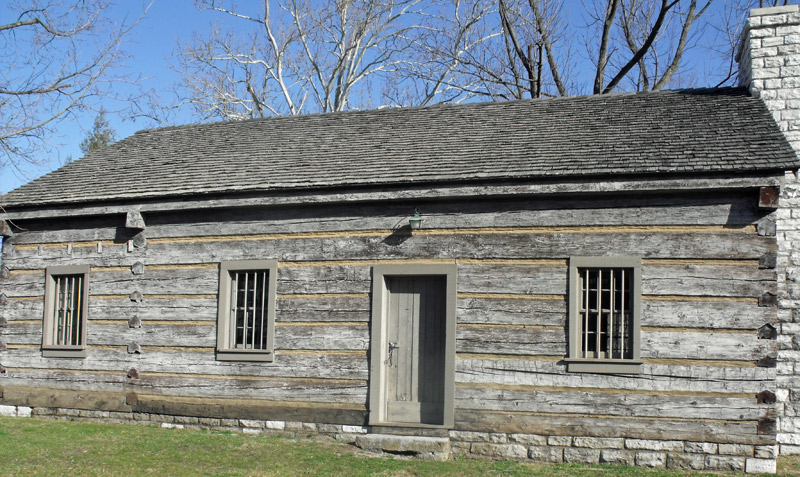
[[421, 447], [410, 431]]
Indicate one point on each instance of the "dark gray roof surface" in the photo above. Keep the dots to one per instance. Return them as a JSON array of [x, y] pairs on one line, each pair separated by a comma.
[[687, 131]]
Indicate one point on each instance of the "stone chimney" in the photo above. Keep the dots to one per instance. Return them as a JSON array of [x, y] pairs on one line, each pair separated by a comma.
[[769, 66]]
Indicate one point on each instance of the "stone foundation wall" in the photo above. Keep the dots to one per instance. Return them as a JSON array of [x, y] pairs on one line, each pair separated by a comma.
[[769, 65], [679, 455]]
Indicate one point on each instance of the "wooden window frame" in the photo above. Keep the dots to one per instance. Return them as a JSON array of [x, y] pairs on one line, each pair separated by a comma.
[[225, 322], [50, 348], [576, 362]]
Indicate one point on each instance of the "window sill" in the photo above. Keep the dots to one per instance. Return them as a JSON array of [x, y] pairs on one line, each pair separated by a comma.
[[63, 353], [604, 366], [245, 355]]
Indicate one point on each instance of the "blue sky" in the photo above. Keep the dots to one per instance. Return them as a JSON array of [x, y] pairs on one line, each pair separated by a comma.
[[150, 47]]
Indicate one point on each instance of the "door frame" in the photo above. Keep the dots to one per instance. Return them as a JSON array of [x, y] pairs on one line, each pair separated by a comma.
[[379, 334]]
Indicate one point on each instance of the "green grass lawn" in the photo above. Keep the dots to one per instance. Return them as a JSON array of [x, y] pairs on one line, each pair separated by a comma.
[[30, 446]]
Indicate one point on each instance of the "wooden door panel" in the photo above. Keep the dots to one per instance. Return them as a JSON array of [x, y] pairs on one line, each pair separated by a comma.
[[416, 338]]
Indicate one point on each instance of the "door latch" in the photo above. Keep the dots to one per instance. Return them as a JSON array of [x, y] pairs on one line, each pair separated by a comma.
[[392, 346]]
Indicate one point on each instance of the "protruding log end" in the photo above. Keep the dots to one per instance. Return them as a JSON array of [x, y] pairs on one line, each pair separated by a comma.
[[768, 299], [768, 261], [768, 361], [768, 197], [134, 220], [5, 229], [137, 268], [767, 426], [767, 332], [766, 397]]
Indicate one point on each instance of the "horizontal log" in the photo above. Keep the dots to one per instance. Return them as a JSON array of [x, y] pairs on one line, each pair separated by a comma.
[[611, 404], [702, 345], [180, 361], [183, 281], [688, 313], [512, 311], [656, 312], [331, 413], [529, 341], [744, 280], [289, 309], [150, 309], [111, 255], [220, 408], [723, 314], [724, 209], [122, 308], [683, 344], [708, 280], [278, 389], [686, 244], [323, 308], [72, 380], [274, 389], [493, 339], [653, 378], [711, 279], [64, 398], [325, 279], [733, 432], [303, 337], [409, 192]]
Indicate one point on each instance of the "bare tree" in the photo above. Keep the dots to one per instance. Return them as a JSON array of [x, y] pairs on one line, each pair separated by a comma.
[[58, 57], [628, 45], [509, 49], [434, 67], [733, 15], [295, 56]]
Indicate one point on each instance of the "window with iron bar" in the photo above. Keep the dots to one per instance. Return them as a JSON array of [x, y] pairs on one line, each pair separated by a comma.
[[246, 317], [66, 311], [604, 308]]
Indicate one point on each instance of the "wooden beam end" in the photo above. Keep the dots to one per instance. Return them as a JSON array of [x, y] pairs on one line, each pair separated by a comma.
[[768, 197], [5, 229], [134, 220]]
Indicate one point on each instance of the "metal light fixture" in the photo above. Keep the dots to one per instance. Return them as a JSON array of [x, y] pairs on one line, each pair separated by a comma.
[[416, 221]]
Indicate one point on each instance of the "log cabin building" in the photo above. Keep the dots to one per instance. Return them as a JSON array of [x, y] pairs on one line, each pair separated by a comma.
[[587, 279]]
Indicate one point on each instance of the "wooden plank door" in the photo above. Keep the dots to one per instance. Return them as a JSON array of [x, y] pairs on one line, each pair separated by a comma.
[[416, 342]]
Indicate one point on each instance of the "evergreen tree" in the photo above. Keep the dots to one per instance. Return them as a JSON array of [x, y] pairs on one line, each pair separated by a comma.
[[102, 135]]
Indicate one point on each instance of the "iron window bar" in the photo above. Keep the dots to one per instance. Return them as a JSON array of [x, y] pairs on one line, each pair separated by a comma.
[[249, 309], [606, 312], [68, 312]]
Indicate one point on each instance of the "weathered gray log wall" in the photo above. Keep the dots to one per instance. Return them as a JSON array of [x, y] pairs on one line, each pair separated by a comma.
[[708, 285]]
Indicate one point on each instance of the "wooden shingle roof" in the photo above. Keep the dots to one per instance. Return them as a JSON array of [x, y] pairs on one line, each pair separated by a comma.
[[667, 132]]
